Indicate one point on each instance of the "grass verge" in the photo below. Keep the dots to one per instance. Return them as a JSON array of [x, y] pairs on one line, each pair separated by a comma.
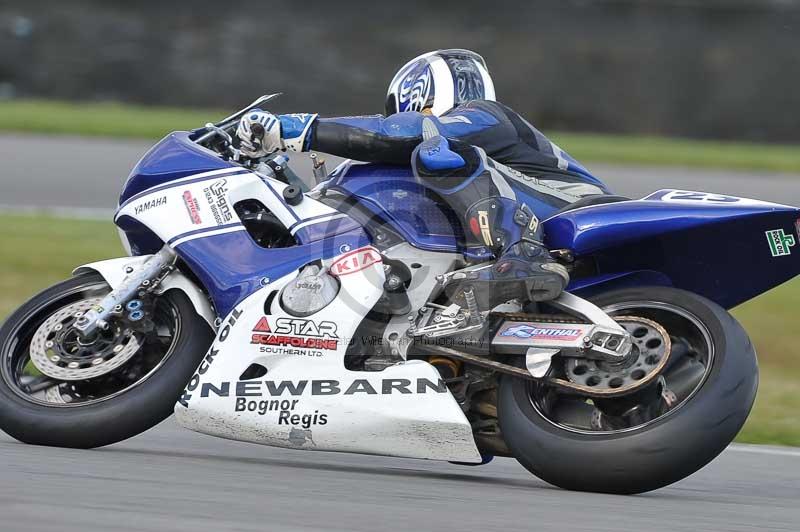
[[658, 151], [132, 121], [56, 246], [100, 119]]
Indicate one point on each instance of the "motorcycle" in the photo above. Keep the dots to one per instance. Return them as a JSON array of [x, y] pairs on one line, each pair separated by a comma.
[[258, 310]]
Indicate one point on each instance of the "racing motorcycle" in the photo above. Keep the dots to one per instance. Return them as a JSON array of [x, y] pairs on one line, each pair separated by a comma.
[[259, 310]]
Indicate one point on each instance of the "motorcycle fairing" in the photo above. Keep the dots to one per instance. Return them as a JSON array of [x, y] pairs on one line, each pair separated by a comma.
[[406, 409], [195, 215], [714, 245], [172, 158], [305, 398], [253, 267], [590, 229]]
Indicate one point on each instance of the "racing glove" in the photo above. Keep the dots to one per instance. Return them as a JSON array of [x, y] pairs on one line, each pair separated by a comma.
[[262, 133], [259, 133]]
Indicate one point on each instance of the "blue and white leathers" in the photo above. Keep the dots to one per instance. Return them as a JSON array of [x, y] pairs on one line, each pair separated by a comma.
[[503, 134], [184, 195]]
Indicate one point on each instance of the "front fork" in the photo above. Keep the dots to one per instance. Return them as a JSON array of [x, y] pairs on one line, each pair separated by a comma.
[[138, 281]]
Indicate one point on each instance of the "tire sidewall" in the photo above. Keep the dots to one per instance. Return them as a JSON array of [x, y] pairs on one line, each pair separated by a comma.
[[117, 418], [654, 455]]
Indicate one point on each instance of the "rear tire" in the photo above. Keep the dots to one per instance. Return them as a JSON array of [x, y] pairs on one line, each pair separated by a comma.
[[110, 420], [663, 451]]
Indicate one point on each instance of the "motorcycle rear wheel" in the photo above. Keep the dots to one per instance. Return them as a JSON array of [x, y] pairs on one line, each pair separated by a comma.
[[115, 406], [571, 442]]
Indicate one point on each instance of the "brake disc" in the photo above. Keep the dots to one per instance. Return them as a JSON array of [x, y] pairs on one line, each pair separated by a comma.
[[53, 395], [58, 352]]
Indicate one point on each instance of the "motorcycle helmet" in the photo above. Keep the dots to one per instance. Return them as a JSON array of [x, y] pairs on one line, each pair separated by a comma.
[[439, 81]]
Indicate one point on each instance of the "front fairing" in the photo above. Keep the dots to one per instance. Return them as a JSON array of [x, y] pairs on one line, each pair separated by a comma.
[[173, 157], [189, 202]]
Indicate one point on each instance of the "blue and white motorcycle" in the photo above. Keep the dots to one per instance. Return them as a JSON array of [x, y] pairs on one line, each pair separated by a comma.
[[316, 320]]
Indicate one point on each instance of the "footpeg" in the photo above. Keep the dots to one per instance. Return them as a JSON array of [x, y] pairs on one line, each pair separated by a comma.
[[465, 274], [437, 321]]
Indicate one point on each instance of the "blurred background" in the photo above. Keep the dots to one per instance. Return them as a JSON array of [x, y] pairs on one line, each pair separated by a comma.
[[722, 69], [696, 94]]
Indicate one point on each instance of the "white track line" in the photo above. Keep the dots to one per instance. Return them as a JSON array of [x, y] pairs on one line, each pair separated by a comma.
[[759, 449], [60, 211]]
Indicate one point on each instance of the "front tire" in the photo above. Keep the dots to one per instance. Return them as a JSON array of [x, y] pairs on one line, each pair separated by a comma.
[[663, 450], [93, 418]]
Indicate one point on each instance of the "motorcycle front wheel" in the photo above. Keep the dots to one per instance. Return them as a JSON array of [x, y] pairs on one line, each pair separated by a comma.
[[57, 389], [653, 437]]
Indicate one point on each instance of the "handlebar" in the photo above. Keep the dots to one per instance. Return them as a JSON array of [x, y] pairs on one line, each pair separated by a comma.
[[276, 166], [214, 131], [223, 126]]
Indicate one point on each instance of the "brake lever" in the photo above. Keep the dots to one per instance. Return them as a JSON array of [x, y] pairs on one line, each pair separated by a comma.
[[214, 130], [220, 127], [256, 133]]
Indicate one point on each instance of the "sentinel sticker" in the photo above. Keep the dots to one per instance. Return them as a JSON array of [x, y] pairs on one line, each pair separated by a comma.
[[542, 332]]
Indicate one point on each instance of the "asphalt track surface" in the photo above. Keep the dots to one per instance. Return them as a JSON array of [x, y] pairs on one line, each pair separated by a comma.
[[170, 479], [80, 173]]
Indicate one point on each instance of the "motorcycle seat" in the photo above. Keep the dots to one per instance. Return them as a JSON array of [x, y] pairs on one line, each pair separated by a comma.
[[589, 201]]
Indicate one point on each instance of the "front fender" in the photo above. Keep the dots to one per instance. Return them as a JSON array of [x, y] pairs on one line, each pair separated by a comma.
[[113, 271]]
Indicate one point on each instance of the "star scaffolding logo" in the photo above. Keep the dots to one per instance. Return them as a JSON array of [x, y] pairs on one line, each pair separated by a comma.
[[780, 244]]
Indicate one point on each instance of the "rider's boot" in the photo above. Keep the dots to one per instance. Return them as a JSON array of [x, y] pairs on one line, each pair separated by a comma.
[[524, 268], [474, 187]]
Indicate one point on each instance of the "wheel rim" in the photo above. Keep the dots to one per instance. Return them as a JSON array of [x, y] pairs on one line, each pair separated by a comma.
[[26, 381], [690, 363]]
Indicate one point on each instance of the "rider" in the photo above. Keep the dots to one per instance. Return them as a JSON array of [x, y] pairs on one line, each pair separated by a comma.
[[441, 115]]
